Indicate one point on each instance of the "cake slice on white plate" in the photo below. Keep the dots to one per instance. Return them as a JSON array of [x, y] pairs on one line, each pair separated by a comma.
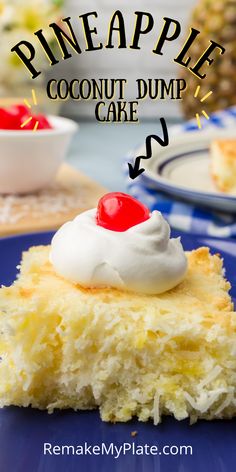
[[223, 164]]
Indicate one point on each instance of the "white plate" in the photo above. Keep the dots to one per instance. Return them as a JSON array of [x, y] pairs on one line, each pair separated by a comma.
[[182, 169]]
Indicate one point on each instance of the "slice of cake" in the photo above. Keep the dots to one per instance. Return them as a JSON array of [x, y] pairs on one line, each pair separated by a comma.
[[223, 164], [130, 354], [114, 314]]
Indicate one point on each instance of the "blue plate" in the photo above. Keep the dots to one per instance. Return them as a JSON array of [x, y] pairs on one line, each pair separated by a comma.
[[23, 431]]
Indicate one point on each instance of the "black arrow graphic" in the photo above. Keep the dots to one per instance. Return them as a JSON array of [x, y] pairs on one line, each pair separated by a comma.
[[134, 170]]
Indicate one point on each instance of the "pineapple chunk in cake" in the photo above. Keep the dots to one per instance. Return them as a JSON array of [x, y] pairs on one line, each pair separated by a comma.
[[129, 354], [223, 164]]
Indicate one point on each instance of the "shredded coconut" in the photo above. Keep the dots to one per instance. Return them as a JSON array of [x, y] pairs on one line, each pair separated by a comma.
[[228, 400], [54, 199], [156, 409], [205, 400], [210, 377]]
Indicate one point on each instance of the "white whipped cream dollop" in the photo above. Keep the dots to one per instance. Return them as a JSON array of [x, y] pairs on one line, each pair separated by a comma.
[[142, 259]]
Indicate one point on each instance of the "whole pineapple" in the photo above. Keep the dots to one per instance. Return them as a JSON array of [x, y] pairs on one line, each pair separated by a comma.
[[216, 20]]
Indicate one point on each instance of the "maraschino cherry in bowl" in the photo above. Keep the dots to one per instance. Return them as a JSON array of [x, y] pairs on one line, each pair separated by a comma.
[[32, 147]]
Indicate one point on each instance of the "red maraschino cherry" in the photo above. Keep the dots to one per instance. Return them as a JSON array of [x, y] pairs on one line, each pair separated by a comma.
[[13, 117], [10, 118], [43, 122], [118, 211]]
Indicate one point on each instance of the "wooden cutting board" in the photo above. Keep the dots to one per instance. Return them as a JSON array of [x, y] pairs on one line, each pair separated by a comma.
[[70, 194]]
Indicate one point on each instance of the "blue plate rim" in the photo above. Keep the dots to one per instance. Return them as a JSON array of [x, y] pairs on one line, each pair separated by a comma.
[[161, 183]]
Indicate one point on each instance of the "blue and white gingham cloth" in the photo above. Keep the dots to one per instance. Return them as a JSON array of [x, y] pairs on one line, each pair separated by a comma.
[[183, 215]]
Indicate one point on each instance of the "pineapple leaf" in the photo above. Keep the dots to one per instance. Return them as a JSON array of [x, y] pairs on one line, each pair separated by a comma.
[[58, 3]]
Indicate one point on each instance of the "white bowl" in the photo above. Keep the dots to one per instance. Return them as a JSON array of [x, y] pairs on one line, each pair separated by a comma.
[[29, 160]]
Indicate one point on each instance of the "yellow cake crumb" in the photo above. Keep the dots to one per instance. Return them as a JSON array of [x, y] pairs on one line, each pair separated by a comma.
[[223, 164], [63, 346]]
